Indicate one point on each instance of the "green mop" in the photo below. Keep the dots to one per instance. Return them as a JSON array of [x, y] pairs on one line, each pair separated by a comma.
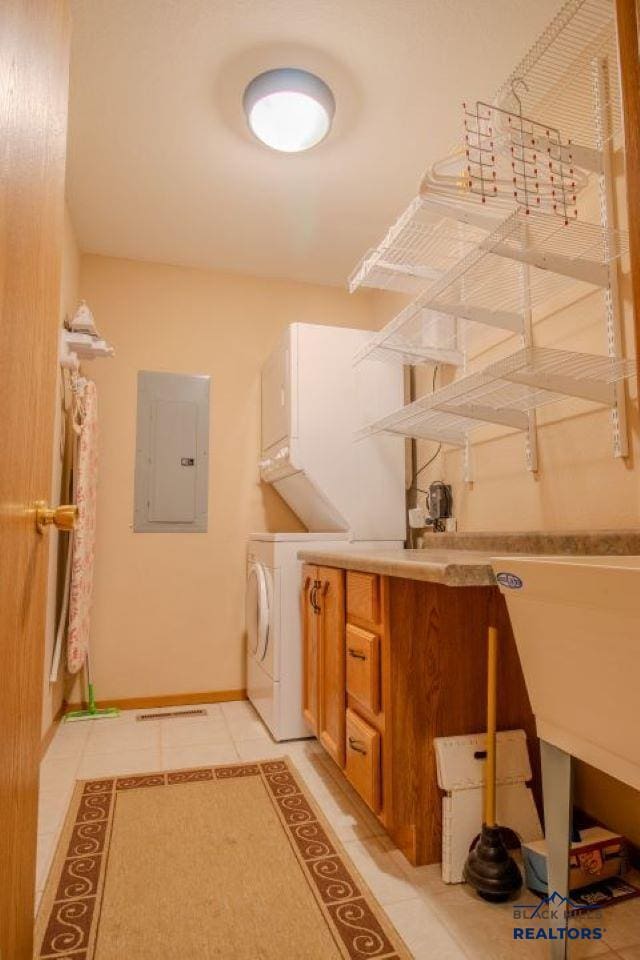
[[92, 712]]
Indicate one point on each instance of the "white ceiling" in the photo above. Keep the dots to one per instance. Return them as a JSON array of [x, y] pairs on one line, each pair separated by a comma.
[[161, 165]]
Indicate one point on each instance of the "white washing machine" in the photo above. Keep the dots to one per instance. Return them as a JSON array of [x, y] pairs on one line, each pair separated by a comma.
[[274, 632]]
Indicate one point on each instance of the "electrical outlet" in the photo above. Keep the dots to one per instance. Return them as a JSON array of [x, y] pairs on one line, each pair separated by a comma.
[[417, 518]]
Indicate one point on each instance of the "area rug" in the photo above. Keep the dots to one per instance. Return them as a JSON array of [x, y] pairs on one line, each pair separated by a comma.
[[232, 862]]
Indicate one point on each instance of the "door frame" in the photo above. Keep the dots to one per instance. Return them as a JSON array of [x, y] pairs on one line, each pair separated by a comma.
[[629, 64]]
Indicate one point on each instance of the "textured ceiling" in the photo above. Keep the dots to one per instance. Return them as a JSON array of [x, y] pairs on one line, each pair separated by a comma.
[[161, 165]]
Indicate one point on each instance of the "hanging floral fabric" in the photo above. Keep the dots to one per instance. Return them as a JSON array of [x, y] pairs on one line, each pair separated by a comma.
[[86, 474]]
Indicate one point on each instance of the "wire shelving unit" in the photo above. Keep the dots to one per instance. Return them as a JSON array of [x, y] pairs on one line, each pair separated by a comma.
[[504, 393], [555, 82], [494, 236], [546, 108]]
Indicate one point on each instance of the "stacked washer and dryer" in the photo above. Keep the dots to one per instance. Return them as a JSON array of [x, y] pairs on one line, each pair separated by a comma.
[[348, 494]]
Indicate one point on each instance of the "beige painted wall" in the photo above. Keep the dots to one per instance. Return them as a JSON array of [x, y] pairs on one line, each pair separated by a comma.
[[69, 282], [168, 608]]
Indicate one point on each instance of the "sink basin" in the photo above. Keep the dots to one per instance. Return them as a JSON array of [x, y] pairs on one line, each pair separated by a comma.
[[576, 622]]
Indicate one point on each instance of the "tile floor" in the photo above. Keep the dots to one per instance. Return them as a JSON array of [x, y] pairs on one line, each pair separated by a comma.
[[437, 921]]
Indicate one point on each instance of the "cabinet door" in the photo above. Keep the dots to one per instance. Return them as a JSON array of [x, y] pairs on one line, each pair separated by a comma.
[[310, 625], [331, 597]]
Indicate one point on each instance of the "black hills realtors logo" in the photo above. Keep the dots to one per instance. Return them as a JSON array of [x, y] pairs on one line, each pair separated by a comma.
[[550, 920]]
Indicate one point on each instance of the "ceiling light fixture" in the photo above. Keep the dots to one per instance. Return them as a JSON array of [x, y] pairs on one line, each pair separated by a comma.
[[290, 110]]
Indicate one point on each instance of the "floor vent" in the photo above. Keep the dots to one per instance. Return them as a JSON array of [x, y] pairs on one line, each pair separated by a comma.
[[171, 714]]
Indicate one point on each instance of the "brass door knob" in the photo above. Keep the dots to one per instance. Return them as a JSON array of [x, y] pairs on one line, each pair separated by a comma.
[[62, 517]]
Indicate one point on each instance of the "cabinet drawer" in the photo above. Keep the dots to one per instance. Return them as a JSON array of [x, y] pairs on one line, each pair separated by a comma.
[[363, 759], [363, 596], [363, 667]]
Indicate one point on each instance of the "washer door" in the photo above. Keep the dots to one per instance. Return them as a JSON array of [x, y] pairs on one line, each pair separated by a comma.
[[257, 611]]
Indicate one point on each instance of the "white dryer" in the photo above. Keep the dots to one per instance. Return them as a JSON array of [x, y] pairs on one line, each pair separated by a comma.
[[274, 642]]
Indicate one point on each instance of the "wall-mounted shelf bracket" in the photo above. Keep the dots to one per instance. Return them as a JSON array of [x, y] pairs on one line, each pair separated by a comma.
[[613, 304]]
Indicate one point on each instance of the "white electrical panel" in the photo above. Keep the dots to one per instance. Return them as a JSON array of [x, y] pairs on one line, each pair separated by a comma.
[[172, 453]]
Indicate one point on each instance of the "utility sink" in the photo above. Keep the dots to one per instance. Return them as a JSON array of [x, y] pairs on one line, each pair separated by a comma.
[[576, 622]]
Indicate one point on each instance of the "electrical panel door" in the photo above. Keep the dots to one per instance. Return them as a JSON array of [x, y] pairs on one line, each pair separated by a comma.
[[172, 490], [172, 453]]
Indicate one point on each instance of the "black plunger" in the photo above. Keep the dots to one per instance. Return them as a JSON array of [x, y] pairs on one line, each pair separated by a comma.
[[490, 869]]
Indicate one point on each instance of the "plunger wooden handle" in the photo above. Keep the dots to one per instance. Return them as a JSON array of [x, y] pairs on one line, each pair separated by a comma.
[[492, 679]]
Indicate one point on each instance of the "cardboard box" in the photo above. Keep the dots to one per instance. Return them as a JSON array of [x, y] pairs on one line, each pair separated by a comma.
[[599, 855]]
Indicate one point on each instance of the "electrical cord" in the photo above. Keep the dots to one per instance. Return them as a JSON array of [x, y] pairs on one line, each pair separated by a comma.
[[424, 467], [438, 449]]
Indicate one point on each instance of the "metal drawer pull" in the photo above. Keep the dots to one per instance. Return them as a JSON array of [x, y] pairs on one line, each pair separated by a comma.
[[314, 596], [357, 746], [356, 654]]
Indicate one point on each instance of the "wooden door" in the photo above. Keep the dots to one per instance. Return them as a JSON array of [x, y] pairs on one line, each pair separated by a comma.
[[332, 662], [310, 620], [34, 59]]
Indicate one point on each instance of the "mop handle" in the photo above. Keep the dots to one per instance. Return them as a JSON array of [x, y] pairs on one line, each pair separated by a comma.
[[490, 790]]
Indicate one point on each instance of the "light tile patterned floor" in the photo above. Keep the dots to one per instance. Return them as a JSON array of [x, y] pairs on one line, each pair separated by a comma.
[[438, 921]]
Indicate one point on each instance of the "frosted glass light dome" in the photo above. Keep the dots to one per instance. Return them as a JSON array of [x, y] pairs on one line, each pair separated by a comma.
[[289, 110]]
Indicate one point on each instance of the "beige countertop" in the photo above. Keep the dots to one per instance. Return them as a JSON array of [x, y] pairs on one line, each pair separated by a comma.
[[454, 568], [464, 559], [571, 542]]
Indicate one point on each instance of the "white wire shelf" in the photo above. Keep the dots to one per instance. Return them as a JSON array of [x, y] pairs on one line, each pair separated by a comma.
[[416, 335], [505, 393], [424, 242], [558, 75], [422, 423], [560, 91], [484, 270], [486, 286], [579, 250]]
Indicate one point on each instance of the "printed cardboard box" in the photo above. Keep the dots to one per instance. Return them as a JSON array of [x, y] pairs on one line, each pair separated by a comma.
[[598, 855]]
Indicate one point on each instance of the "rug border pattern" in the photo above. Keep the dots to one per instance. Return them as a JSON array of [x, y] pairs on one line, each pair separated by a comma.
[[348, 907]]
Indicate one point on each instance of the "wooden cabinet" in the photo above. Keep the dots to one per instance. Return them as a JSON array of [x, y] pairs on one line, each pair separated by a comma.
[[389, 665], [324, 694], [437, 685]]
